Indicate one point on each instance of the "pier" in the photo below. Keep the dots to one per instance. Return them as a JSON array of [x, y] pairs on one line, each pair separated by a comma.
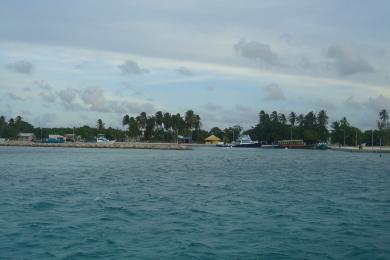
[[117, 145], [354, 149]]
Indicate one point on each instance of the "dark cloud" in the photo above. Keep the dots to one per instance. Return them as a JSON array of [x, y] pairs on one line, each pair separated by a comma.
[[378, 103], [14, 97], [185, 71], [43, 85], [347, 60], [23, 67], [68, 99], [256, 51], [130, 67], [274, 92]]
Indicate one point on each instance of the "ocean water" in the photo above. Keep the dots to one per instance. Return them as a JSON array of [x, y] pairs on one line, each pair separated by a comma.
[[208, 203]]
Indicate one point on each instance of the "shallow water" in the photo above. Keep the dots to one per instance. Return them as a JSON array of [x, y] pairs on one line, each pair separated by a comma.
[[206, 203]]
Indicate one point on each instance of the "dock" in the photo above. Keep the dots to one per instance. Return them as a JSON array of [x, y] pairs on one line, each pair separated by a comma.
[[117, 145], [354, 149]]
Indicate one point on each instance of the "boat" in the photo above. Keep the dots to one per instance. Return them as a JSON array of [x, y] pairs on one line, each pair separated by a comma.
[[322, 146], [294, 144], [101, 139], [246, 141]]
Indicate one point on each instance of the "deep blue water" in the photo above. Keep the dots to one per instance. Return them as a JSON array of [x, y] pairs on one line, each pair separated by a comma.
[[207, 203]]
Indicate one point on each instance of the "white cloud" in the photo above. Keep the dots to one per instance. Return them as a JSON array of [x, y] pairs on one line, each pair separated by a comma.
[[130, 67]]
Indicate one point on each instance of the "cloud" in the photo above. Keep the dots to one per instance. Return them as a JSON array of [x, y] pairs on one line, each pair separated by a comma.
[[45, 120], [14, 97], [351, 102], [130, 67], [256, 51], [131, 107], [23, 67], [185, 71], [274, 92], [94, 96], [43, 85], [378, 103], [48, 96], [286, 37], [68, 97], [347, 60], [241, 115], [212, 107]]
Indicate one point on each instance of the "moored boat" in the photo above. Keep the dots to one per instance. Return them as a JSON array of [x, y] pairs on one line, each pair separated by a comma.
[[101, 139], [322, 146], [246, 141], [294, 144]]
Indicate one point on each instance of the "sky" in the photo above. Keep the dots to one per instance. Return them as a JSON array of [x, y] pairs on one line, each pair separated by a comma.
[[69, 63]]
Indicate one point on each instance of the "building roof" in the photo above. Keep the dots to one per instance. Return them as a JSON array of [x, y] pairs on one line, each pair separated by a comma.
[[212, 138]]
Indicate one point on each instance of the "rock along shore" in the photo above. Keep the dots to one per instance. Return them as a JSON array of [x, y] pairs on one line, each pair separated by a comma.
[[117, 145]]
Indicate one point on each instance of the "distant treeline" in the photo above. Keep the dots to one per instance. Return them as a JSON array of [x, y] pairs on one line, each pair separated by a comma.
[[313, 127], [166, 127]]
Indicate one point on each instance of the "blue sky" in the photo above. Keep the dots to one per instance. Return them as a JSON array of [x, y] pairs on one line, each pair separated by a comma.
[[68, 63]]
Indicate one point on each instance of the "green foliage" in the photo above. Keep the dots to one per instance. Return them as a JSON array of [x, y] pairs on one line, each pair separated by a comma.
[[311, 127]]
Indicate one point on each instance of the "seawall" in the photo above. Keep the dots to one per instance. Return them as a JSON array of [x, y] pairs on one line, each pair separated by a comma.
[[117, 145], [353, 149]]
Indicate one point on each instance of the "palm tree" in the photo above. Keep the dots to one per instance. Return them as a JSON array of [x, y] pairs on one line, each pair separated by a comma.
[[125, 120], [292, 118], [384, 116], [167, 121], [100, 125], [274, 116], [159, 119]]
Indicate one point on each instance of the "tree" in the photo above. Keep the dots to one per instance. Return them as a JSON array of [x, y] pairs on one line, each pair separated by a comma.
[[274, 116], [384, 116], [126, 120], [217, 132], [100, 125], [133, 128], [167, 121], [322, 122], [159, 119], [292, 118]]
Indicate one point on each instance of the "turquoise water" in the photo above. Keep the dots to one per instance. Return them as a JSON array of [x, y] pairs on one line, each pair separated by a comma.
[[206, 203]]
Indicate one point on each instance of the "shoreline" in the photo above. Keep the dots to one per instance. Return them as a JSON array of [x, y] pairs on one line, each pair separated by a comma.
[[118, 145]]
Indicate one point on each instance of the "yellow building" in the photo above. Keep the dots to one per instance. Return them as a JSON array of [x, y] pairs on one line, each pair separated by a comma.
[[212, 139]]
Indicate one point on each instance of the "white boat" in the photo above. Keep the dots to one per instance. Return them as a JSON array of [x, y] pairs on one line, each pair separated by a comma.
[[101, 139], [246, 141]]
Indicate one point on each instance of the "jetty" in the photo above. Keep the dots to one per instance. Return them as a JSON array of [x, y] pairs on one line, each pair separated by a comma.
[[365, 149], [116, 145]]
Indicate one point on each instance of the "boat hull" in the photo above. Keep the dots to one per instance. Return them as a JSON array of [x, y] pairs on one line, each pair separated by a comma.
[[254, 145]]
